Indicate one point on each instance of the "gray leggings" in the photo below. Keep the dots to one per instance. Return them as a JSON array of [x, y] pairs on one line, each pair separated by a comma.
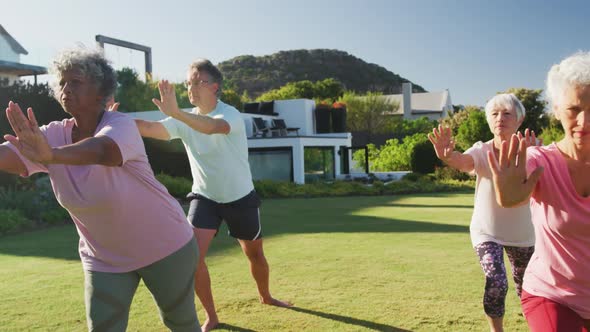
[[170, 280]]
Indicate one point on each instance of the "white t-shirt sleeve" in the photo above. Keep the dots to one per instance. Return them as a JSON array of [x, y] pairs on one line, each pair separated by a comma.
[[173, 126], [234, 119], [122, 129], [477, 152]]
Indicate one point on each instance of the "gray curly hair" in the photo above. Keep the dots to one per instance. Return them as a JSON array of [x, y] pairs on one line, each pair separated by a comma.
[[92, 63]]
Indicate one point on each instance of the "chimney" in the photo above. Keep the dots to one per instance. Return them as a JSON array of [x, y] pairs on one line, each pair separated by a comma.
[[407, 100]]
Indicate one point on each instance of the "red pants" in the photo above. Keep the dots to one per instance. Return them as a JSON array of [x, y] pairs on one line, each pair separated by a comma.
[[544, 315]]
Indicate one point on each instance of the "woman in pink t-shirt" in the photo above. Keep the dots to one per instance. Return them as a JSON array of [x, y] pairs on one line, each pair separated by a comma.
[[494, 229], [556, 289], [130, 228]]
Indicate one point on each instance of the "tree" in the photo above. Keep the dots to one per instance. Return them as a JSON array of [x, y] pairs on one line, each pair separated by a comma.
[[553, 132], [536, 118], [371, 113], [135, 95], [473, 129], [231, 97], [460, 115], [401, 127], [326, 90], [39, 97], [394, 155]]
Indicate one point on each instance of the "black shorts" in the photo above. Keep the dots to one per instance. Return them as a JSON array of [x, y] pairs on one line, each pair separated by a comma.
[[241, 216]]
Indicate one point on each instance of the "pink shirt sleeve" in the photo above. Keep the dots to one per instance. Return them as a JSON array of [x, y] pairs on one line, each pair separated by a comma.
[[122, 129], [32, 167]]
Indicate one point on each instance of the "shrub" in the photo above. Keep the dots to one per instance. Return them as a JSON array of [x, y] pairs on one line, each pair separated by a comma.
[[177, 186], [12, 220], [449, 173], [423, 158], [412, 177], [412, 183], [55, 216]]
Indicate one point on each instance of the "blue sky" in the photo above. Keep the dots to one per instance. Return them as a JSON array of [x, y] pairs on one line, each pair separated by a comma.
[[473, 48]]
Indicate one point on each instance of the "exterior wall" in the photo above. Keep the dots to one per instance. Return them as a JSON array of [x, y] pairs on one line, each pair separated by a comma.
[[296, 113], [297, 144], [11, 78], [6, 51]]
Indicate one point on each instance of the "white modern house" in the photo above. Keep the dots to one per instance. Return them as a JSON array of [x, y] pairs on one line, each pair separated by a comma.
[[10, 67], [297, 154], [434, 105]]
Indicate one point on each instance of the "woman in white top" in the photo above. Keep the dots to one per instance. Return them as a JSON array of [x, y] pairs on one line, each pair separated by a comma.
[[493, 229]]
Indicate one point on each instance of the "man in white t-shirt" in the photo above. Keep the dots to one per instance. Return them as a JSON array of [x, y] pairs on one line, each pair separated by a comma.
[[214, 137]]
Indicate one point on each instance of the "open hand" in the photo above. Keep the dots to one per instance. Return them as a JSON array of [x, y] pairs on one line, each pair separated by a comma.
[[509, 173], [530, 138], [29, 139], [113, 107], [167, 103], [442, 140]]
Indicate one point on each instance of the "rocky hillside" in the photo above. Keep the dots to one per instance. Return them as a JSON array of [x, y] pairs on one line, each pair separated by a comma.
[[260, 74]]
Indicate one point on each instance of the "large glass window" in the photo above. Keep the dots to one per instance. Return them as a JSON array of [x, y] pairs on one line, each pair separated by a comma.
[[271, 164], [319, 163]]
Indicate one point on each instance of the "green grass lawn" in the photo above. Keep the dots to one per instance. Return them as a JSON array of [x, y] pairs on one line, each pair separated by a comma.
[[387, 263]]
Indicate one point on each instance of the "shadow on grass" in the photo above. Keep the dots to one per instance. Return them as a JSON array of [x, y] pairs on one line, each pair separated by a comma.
[[349, 320], [284, 216], [233, 328], [433, 206]]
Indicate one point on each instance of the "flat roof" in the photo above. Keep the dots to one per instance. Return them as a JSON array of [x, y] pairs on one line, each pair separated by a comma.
[[21, 69]]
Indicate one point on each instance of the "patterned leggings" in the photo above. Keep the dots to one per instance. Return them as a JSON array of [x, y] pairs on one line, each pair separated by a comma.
[[491, 259]]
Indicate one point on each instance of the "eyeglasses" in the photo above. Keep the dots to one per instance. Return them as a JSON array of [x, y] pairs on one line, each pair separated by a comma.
[[188, 84]]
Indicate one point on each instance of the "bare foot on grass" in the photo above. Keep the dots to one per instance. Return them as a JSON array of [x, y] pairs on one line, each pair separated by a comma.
[[209, 325], [277, 303]]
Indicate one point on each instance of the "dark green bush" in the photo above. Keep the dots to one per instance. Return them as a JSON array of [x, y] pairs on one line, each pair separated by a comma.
[[412, 177], [55, 216], [39, 97], [177, 186], [12, 220], [417, 184], [449, 173], [423, 159]]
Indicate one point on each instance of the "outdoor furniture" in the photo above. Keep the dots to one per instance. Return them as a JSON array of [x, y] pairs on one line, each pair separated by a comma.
[[261, 128], [282, 126]]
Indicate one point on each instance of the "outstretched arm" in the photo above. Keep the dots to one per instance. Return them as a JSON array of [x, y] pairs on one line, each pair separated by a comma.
[[10, 162], [444, 146], [511, 184], [31, 142], [152, 129], [204, 124]]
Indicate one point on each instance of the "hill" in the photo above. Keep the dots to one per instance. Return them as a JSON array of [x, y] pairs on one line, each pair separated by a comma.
[[260, 74]]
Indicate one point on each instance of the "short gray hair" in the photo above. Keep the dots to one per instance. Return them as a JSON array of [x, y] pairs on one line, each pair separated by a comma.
[[204, 65], [572, 71], [92, 63], [506, 101]]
